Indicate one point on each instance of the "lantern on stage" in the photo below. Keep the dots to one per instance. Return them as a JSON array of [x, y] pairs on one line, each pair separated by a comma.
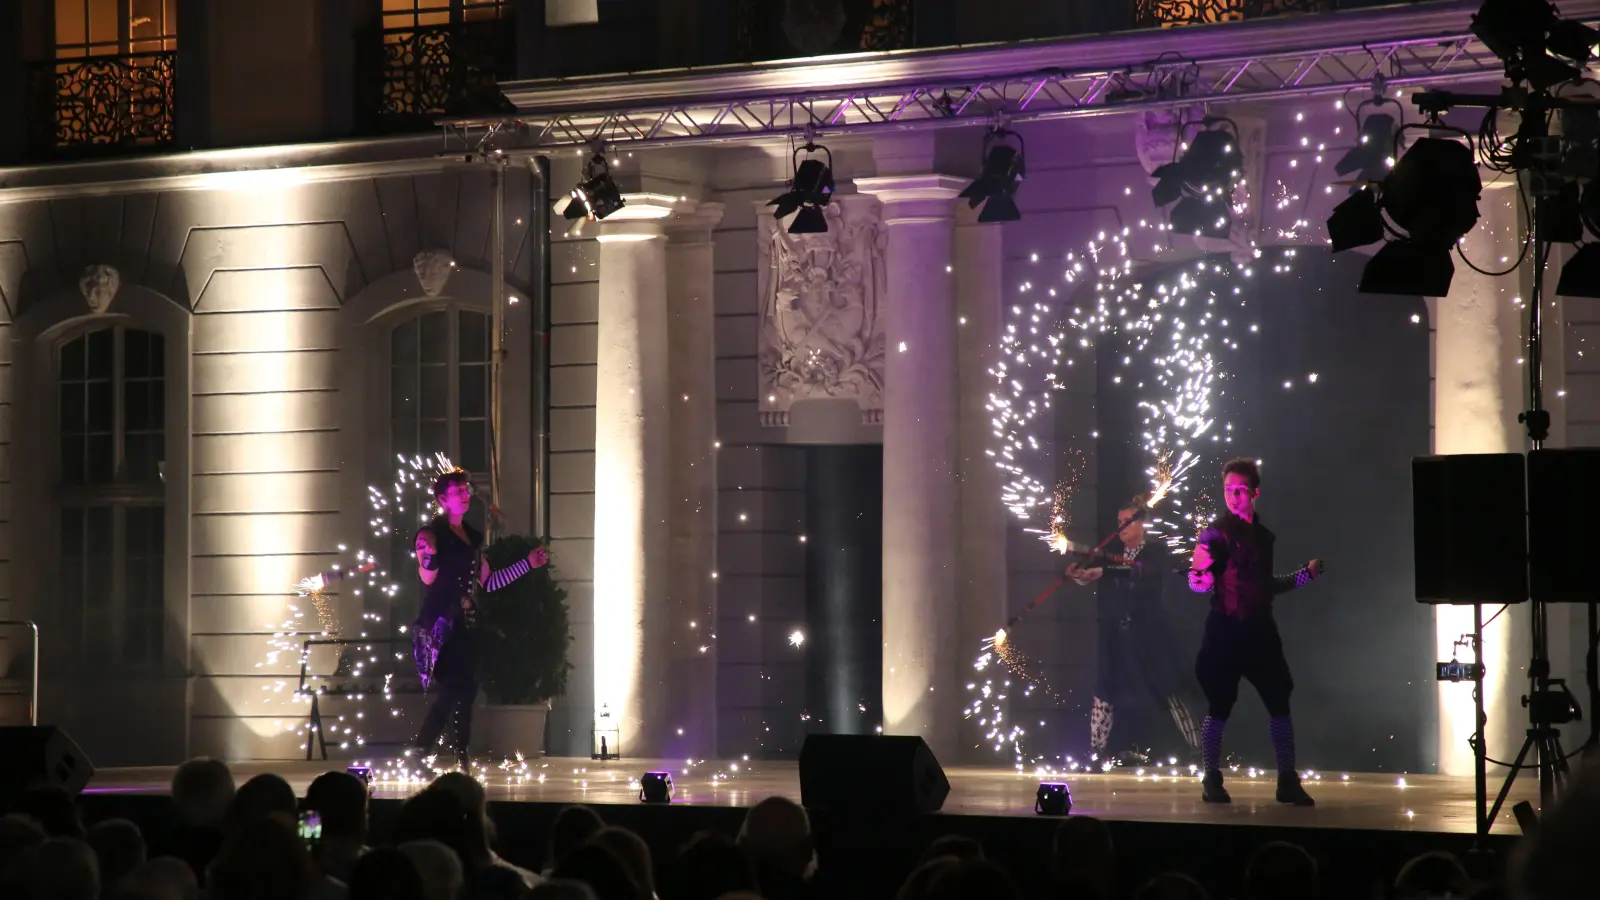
[[607, 740]]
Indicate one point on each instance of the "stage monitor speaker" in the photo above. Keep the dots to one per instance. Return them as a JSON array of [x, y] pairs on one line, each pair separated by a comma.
[[870, 772], [1469, 522], [1562, 529], [31, 756]]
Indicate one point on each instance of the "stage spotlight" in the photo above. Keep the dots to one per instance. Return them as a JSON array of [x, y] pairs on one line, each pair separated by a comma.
[[1054, 799], [1370, 156], [656, 787], [1356, 222], [1004, 170], [1524, 34], [597, 196], [1409, 268], [1201, 182], [810, 190], [1561, 216], [1580, 277]]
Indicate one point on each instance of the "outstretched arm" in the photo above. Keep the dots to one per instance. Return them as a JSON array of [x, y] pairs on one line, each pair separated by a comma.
[[1201, 581], [1282, 584], [427, 567], [499, 578]]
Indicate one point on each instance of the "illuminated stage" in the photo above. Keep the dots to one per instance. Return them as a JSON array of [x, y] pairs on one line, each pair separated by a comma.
[[1367, 801]]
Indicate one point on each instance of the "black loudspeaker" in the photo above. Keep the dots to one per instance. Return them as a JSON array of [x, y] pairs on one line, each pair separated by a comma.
[[1470, 528], [870, 772], [31, 756], [1562, 531]]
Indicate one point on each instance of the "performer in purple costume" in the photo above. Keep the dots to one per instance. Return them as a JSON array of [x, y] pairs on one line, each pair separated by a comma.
[[450, 564], [1233, 562]]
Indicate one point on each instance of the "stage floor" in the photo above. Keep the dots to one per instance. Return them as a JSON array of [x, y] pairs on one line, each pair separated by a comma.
[[1421, 803]]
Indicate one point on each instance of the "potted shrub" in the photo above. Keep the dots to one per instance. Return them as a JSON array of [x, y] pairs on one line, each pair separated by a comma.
[[524, 636]]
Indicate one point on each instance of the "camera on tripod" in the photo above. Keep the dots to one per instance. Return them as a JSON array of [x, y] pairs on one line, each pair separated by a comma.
[[1455, 672], [1554, 707]]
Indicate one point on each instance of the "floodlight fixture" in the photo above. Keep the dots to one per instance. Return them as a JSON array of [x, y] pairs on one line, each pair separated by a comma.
[[596, 196], [1004, 169], [810, 190]]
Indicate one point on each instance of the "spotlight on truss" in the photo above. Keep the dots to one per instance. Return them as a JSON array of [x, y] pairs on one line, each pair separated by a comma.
[[810, 190], [596, 196], [1004, 169], [1201, 181]]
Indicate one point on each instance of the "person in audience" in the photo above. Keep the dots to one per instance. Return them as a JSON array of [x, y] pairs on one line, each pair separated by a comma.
[[561, 890], [974, 879], [262, 796], [439, 867], [441, 815], [919, 884], [573, 828], [1432, 875], [61, 868], [162, 878], [777, 836], [54, 808], [340, 799], [118, 849], [1280, 871], [955, 846], [600, 869], [202, 795], [709, 867], [1172, 886], [1083, 861], [262, 860], [470, 791], [386, 874], [634, 853], [17, 835]]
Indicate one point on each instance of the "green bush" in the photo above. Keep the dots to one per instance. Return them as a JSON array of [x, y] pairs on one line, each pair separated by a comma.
[[524, 631]]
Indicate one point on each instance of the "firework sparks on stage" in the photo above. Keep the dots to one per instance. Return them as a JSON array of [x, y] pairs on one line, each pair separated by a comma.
[[990, 699]]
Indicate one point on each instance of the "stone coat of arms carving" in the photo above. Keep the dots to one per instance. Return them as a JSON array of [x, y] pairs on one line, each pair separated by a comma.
[[821, 327]]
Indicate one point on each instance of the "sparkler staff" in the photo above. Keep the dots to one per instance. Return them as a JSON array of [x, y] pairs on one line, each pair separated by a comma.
[[1233, 562], [451, 566], [1138, 653]]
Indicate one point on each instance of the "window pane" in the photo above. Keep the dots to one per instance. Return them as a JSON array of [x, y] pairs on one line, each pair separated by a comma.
[[99, 354], [435, 338], [98, 411], [99, 462], [158, 405], [103, 26], [136, 405], [72, 29], [403, 343], [474, 337], [144, 455], [136, 353], [403, 391], [72, 408], [158, 355], [144, 612], [403, 437], [435, 392], [473, 397], [474, 446], [72, 453], [434, 438], [72, 356]]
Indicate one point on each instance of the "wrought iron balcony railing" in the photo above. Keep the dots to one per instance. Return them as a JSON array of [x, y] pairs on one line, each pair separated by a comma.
[[1167, 13], [102, 103], [413, 75]]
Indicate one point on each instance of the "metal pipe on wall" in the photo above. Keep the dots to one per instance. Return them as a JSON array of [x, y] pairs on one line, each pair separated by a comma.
[[539, 223], [497, 326]]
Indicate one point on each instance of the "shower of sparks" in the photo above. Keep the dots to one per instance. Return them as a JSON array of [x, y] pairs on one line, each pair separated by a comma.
[[797, 638], [1061, 503], [989, 695]]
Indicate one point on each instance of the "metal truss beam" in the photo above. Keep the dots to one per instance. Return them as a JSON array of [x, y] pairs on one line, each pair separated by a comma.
[[1035, 96]]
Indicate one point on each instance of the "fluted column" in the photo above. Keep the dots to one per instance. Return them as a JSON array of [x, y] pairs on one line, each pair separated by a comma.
[[691, 702], [631, 543], [1478, 391], [920, 527], [981, 583]]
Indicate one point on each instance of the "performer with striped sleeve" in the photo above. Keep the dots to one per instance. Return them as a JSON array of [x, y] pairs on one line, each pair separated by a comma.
[[451, 566], [1233, 562]]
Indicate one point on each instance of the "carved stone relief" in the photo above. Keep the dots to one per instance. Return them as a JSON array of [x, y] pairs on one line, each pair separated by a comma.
[[821, 327], [433, 268], [99, 285]]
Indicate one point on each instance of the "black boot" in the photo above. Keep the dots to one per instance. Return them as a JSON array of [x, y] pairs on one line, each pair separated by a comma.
[[1290, 791], [1212, 790]]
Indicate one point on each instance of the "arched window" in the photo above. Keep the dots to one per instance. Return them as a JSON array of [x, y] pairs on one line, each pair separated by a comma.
[[111, 389]]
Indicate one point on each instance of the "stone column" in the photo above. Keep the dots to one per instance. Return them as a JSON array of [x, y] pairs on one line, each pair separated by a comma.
[[920, 528], [631, 543], [981, 579], [1477, 394], [692, 478]]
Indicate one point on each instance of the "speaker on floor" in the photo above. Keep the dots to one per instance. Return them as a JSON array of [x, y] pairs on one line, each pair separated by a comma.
[[41, 755], [1562, 529], [1470, 528], [870, 772]]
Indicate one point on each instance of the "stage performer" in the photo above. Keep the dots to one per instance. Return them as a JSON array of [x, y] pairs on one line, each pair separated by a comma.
[[451, 566], [1138, 655], [1233, 562]]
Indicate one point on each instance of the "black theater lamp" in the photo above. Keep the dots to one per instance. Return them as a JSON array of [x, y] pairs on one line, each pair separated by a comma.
[[1055, 799], [656, 787]]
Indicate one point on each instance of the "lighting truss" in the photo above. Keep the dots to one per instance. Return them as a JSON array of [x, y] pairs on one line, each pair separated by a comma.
[[1043, 95]]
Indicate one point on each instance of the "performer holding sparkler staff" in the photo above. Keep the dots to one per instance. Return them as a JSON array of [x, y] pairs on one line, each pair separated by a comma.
[[1138, 654], [1233, 562], [451, 566]]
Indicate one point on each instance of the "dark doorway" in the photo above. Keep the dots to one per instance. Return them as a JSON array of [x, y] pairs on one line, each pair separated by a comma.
[[844, 588]]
